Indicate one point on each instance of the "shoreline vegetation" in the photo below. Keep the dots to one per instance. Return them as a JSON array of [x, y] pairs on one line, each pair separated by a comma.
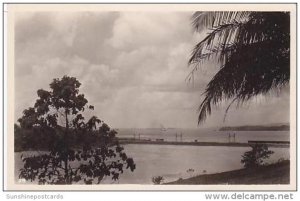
[[277, 173]]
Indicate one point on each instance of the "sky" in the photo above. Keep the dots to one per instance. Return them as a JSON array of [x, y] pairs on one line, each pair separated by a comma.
[[132, 66]]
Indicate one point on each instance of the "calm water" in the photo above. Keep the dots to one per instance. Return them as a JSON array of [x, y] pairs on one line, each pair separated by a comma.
[[172, 162]]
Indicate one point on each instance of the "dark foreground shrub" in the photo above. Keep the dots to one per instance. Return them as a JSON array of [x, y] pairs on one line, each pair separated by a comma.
[[256, 156]]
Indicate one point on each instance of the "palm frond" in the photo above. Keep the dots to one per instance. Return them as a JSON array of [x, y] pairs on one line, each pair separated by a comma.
[[252, 49], [242, 77], [224, 34], [203, 20]]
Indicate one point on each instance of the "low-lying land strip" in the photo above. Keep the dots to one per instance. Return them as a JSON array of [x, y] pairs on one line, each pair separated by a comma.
[[229, 144]]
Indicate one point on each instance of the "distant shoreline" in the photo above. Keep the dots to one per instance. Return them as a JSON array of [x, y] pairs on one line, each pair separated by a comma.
[[124, 141], [256, 128]]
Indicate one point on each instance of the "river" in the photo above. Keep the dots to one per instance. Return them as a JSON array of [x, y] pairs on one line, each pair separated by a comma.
[[172, 162]]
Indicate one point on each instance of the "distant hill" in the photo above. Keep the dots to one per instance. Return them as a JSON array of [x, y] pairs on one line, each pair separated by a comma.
[[282, 127]]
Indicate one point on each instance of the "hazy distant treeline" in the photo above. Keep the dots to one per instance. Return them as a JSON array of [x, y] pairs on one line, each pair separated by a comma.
[[256, 128]]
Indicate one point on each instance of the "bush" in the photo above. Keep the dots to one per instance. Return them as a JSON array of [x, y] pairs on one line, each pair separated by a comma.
[[256, 156], [157, 180]]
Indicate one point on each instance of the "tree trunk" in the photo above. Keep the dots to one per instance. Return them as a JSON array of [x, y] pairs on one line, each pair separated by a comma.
[[67, 179]]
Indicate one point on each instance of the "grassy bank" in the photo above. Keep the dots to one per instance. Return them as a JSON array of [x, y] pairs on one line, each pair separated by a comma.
[[278, 173]]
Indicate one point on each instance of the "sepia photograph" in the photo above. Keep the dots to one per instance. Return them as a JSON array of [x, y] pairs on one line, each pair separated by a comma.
[[151, 96]]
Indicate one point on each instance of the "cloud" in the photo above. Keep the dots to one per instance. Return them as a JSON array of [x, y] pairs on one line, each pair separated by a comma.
[[136, 29], [132, 66]]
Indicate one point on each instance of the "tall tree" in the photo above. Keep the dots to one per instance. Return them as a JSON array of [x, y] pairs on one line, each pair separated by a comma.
[[77, 150], [252, 50]]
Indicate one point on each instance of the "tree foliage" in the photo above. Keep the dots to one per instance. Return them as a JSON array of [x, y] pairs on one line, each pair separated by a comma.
[[252, 50], [76, 149], [256, 156]]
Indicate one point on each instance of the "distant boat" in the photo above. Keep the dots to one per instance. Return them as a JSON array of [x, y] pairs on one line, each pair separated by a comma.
[[162, 128]]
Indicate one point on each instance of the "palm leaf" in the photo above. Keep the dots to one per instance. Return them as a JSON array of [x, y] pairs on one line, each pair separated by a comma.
[[204, 20], [252, 49]]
